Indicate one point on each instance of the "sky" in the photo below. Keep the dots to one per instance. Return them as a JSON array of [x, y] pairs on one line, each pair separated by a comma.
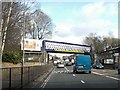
[[75, 20]]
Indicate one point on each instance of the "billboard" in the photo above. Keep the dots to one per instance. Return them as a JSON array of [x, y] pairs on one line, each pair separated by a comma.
[[31, 44], [108, 61]]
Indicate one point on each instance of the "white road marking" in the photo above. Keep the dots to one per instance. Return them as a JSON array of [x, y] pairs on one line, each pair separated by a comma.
[[42, 85], [45, 82], [97, 73], [73, 75], [113, 78], [106, 76], [82, 81], [66, 69]]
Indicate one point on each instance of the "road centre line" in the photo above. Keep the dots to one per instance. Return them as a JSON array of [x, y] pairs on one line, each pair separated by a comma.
[[82, 81]]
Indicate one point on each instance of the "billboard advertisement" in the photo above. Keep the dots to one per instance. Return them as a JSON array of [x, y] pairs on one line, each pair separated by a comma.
[[31, 44], [108, 61]]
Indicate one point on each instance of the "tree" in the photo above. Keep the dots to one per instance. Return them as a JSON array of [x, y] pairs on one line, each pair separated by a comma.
[[94, 41], [43, 24], [110, 42], [17, 17], [100, 43]]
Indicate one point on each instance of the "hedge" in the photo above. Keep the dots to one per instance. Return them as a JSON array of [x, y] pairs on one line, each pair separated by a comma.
[[12, 57]]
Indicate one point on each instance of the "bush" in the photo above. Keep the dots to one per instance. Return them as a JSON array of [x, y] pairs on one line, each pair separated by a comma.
[[12, 57]]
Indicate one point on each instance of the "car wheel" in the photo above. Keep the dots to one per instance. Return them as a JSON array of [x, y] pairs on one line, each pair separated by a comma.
[[73, 71], [89, 72], [118, 72]]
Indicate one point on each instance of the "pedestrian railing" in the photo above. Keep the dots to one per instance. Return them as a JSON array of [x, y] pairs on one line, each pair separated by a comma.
[[18, 77]]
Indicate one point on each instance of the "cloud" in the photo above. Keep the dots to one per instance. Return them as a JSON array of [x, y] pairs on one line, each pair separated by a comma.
[[94, 26], [93, 10], [69, 39], [100, 18], [63, 29]]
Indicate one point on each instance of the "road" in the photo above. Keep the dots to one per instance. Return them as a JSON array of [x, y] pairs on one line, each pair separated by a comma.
[[64, 78]]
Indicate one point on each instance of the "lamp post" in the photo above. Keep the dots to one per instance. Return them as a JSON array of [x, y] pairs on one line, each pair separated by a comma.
[[23, 42]]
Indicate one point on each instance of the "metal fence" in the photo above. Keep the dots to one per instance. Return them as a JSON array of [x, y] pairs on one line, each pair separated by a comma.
[[18, 77]]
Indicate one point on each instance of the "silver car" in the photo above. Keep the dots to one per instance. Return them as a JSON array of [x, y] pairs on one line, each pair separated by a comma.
[[60, 65]]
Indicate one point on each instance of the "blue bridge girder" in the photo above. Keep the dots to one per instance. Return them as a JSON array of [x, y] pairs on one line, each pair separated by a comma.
[[64, 47]]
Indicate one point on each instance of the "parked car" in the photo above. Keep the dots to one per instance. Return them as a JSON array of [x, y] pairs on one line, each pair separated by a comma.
[[60, 65], [119, 70], [98, 66]]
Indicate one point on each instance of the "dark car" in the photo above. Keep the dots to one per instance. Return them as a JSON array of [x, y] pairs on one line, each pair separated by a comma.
[[119, 70], [98, 66]]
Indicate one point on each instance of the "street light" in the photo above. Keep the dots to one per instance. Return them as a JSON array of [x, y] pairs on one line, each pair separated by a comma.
[[23, 48]]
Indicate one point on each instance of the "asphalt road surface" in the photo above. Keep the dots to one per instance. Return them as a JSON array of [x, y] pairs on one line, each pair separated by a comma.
[[65, 78]]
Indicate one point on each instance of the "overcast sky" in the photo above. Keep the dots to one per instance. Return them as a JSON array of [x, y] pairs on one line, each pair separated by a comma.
[[75, 20]]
